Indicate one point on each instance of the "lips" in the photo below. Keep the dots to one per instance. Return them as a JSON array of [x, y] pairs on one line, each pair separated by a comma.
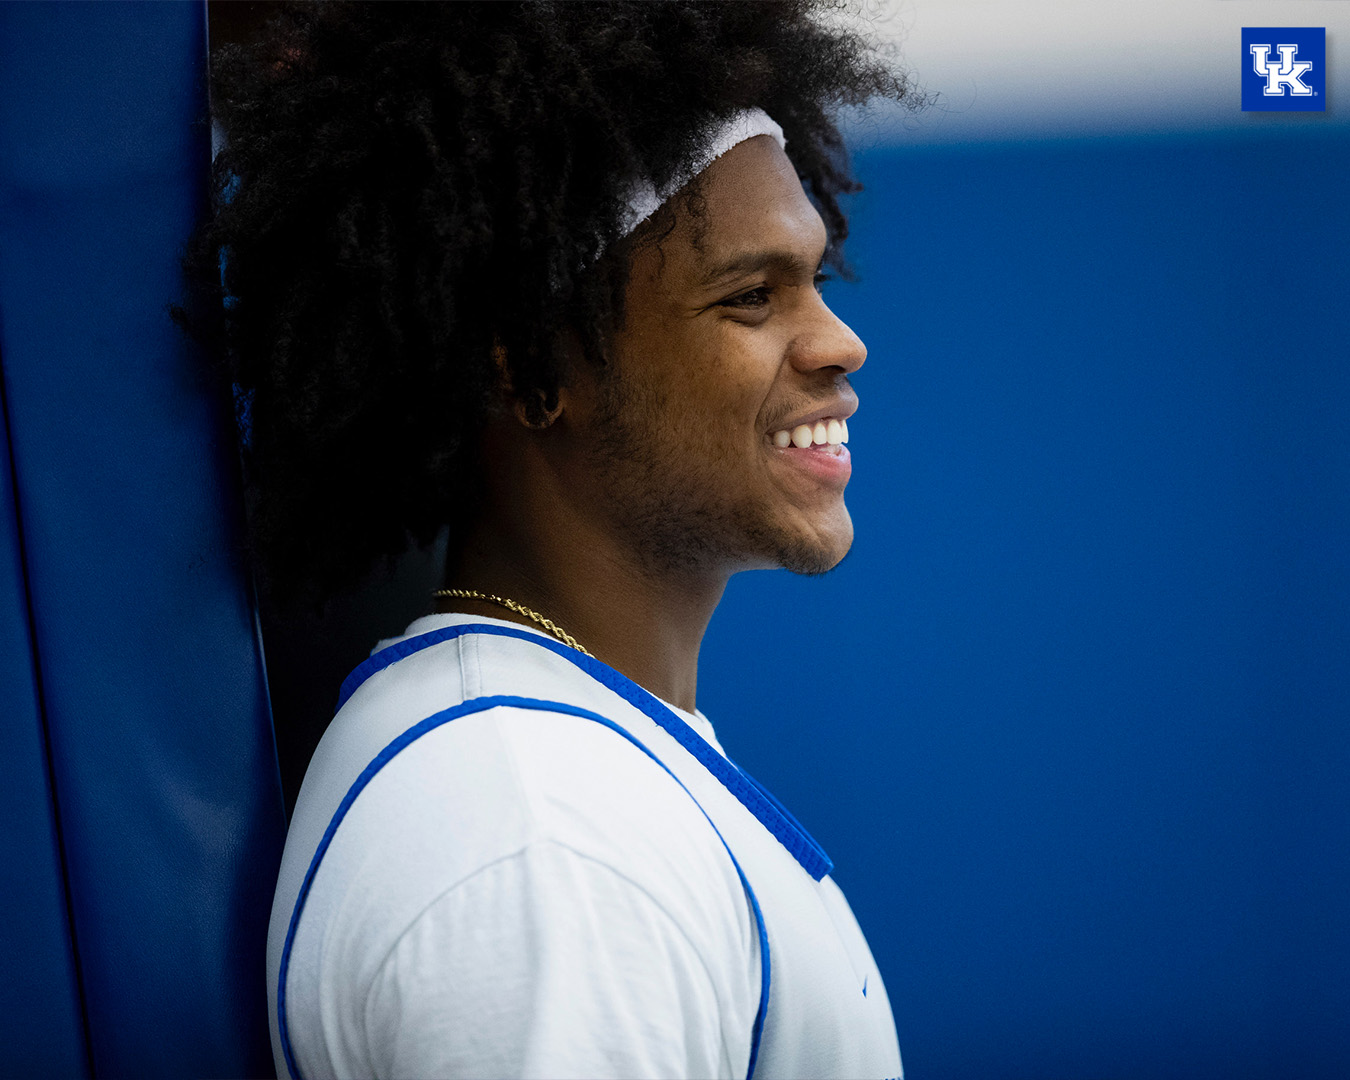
[[816, 449]]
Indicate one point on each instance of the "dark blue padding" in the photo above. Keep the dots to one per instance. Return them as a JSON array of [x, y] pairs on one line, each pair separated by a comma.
[[468, 708], [163, 764], [41, 1033], [786, 829]]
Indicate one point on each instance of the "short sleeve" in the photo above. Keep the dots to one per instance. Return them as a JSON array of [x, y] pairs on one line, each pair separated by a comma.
[[550, 963]]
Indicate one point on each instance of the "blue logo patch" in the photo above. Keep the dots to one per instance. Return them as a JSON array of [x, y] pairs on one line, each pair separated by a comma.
[[1284, 68]]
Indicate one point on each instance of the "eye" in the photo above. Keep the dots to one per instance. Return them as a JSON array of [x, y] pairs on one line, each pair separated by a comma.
[[755, 298]]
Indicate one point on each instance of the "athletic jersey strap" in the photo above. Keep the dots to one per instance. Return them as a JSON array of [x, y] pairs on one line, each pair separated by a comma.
[[751, 794]]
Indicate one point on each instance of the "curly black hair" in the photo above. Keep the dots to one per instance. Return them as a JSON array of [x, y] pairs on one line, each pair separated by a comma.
[[412, 196]]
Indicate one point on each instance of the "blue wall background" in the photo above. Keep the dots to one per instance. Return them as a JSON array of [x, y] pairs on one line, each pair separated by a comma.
[[1073, 720]]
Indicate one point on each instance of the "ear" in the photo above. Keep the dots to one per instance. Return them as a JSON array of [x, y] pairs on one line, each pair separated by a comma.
[[537, 409]]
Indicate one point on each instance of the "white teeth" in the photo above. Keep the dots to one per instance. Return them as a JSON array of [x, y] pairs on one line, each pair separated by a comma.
[[829, 432]]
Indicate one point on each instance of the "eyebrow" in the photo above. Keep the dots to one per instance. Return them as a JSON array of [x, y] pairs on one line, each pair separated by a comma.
[[783, 262]]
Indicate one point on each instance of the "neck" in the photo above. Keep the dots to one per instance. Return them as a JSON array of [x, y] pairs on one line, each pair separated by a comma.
[[647, 624]]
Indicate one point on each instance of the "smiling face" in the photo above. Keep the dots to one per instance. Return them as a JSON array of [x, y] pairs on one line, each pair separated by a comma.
[[712, 438]]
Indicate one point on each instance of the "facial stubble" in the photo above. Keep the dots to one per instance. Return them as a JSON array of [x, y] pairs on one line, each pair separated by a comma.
[[666, 490]]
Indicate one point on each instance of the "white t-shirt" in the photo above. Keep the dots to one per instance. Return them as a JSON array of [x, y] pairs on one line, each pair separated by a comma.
[[574, 882]]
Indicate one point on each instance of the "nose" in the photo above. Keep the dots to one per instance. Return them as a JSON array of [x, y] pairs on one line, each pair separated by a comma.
[[826, 341]]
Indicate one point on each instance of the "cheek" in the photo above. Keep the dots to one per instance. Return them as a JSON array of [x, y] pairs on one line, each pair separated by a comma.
[[703, 385], [735, 381]]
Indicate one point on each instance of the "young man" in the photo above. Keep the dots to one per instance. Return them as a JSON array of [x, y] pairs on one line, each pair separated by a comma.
[[549, 275]]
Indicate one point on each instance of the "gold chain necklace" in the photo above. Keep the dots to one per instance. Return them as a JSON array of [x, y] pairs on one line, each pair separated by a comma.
[[520, 609]]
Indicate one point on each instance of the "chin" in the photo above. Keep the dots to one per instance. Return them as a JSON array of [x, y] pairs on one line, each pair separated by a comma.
[[814, 561], [818, 553]]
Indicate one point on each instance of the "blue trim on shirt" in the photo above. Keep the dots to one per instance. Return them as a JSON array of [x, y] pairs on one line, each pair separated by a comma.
[[786, 829], [476, 705]]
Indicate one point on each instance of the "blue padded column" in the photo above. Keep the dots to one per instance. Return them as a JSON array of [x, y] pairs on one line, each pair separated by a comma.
[[40, 1028], [153, 694]]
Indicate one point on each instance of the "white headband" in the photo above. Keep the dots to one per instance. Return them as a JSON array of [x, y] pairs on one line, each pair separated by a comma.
[[644, 200]]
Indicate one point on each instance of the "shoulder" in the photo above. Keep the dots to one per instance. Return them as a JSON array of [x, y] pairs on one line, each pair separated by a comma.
[[487, 784], [495, 735], [510, 845], [434, 804]]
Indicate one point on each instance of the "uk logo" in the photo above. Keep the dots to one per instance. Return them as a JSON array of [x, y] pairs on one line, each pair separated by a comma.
[[1284, 68]]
